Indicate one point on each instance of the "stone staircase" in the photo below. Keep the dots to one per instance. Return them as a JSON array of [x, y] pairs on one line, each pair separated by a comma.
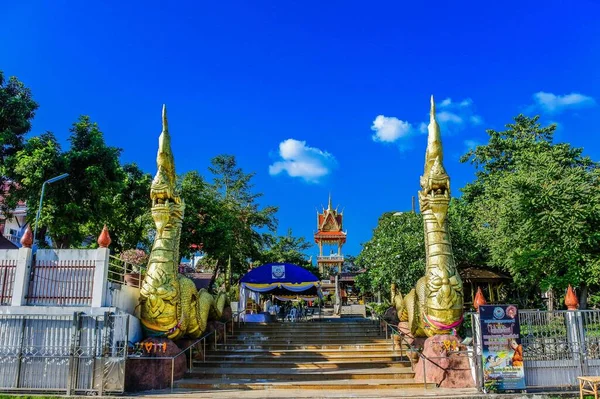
[[331, 354]]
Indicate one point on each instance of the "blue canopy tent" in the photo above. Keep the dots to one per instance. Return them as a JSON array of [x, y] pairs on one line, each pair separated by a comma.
[[278, 278]]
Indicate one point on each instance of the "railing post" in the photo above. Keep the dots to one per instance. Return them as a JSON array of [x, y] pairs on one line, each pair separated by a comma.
[[424, 372], [100, 276], [172, 371], [204, 350], [22, 275], [71, 377]]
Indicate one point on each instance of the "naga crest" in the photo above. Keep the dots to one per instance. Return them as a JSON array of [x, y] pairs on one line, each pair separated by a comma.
[[435, 182], [167, 205]]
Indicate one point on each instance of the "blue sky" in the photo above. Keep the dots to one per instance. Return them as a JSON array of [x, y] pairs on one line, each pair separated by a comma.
[[315, 97]]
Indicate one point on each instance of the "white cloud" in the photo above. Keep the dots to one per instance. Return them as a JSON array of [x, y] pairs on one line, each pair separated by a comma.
[[457, 115], [389, 129], [448, 103], [450, 117], [476, 120], [300, 160], [553, 103], [471, 144]]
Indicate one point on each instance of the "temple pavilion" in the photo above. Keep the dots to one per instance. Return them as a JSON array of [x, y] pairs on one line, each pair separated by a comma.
[[329, 233]]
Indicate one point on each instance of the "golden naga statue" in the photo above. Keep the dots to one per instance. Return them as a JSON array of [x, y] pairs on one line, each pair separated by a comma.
[[170, 304], [435, 305]]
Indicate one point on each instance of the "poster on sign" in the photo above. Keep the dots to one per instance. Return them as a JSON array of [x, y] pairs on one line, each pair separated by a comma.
[[277, 272], [501, 348]]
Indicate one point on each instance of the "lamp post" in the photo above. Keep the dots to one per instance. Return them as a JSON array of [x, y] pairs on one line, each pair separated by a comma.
[[37, 216]]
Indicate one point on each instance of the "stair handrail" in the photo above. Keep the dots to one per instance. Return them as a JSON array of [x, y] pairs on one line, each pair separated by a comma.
[[395, 330], [203, 340], [385, 325]]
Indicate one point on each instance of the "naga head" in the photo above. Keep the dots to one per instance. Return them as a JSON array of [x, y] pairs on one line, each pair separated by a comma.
[[167, 206], [435, 182]]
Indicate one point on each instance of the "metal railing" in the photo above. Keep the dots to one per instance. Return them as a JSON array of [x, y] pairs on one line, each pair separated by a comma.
[[122, 272], [330, 258], [63, 353], [411, 353], [202, 341], [61, 282], [7, 280]]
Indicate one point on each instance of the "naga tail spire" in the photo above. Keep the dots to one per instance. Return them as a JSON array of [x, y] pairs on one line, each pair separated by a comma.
[[166, 201], [434, 141], [164, 158]]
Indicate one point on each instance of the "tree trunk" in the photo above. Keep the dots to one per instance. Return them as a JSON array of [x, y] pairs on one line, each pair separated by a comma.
[[583, 296], [213, 278], [550, 300]]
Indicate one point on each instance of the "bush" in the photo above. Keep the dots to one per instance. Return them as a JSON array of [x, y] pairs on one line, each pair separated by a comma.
[[136, 257]]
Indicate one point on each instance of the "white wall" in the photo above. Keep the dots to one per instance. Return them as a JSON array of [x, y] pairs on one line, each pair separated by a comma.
[[66, 254], [123, 297]]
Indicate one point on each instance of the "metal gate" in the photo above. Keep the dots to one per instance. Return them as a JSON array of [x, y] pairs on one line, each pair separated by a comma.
[[71, 354], [558, 346]]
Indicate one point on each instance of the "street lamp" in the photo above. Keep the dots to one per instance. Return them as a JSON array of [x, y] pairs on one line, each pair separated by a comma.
[[37, 216]]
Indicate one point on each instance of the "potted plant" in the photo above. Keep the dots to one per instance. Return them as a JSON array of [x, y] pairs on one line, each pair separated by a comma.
[[134, 260]]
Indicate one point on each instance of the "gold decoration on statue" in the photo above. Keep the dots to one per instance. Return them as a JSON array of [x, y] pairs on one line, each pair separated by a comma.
[[435, 305], [170, 304]]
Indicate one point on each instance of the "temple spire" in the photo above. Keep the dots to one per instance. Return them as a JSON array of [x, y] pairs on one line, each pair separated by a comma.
[[329, 203]]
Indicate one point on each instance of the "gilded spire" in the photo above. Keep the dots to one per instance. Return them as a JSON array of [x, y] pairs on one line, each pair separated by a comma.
[[164, 158], [434, 141], [329, 203]]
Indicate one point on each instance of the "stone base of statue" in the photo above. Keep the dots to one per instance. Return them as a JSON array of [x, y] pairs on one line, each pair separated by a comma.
[[444, 363], [146, 370]]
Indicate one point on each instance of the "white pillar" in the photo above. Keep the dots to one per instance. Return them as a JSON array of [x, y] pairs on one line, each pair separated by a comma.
[[22, 273], [100, 278]]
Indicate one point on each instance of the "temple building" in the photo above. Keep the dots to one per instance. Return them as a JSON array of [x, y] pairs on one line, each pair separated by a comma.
[[329, 233]]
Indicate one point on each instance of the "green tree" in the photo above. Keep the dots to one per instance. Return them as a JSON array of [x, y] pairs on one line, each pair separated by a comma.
[[225, 216], [75, 208], [536, 207], [287, 248], [131, 221], [395, 253], [17, 109]]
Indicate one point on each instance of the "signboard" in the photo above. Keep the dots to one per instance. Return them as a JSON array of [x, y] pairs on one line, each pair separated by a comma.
[[501, 348], [277, 272]]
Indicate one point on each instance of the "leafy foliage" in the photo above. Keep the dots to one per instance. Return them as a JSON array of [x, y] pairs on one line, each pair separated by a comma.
[[98, 190], [285, 248], [395, 253], [225, 216], [536, 206]]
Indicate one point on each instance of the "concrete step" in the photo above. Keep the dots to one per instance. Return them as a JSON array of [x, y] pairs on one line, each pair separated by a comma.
[[350, 353], [302, 363], [310, 324], [307, 334], [303, 346], [299, 357], [304, 325], [307, 340], [270, 374], [334, 385]]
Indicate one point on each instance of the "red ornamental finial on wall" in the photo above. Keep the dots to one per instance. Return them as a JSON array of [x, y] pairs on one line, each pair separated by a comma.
[[104, 239], [27, 239], [479, 299], [571, 299]]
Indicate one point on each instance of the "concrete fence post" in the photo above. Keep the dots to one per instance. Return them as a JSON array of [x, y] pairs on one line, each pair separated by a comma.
[[100, 278], [22, 274]]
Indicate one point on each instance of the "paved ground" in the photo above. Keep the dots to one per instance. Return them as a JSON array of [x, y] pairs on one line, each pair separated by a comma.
[[412, 393]]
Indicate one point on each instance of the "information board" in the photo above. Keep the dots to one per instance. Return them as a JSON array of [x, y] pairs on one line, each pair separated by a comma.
[[502, 351]]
